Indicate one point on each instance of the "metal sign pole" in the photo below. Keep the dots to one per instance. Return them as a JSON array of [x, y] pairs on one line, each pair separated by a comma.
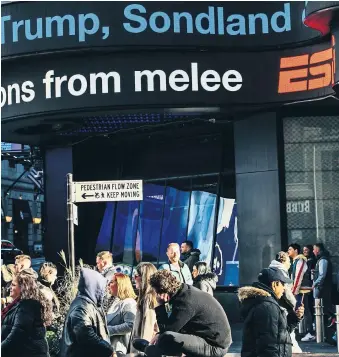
[[70, 219]]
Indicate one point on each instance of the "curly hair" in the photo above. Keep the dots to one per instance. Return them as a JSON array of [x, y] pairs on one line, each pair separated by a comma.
[[164, 281], [146, 294], [30, 290]]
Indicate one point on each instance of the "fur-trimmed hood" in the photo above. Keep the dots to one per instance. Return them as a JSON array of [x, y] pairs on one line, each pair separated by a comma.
[[251, 296], [209, 278], [249, 292], [300, 256]]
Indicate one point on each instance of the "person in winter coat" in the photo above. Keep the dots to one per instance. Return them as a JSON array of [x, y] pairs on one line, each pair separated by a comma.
[[104, 264], [145, 325], [121, 312], [24, 320], [179, 269], [299, 274], [203, 278], [85, 331], [288, 300], [322, 283], [191, 322], [267, 326], [47, 277], [189, 255]]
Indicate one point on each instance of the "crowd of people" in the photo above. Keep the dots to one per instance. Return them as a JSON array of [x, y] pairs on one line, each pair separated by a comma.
[[170, 310]]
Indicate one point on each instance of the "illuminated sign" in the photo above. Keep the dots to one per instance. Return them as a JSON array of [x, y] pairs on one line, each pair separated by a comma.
[[307, 71]]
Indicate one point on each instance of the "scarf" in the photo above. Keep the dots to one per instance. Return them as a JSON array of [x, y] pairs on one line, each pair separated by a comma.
[[8, 307]]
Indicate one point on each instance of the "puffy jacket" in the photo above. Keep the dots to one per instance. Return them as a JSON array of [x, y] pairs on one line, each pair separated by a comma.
[[184, 276], [206, 282], [120, 320], [191, 257], [323, 277], [85, 331], [22, 332], [267, 326]]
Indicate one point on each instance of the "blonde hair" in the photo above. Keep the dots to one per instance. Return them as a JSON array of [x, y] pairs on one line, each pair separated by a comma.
[[125, 288], [282, 257], [105, 255], [47, 269], [22, 257]]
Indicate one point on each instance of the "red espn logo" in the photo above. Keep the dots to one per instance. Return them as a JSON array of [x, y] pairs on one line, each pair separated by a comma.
[[307, 72]]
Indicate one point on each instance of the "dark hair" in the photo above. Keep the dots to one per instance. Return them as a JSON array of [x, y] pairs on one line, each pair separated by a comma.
[[320, 246], [310, 248], [189, 243], [164, 282], [295, 246], [146, 294], [202, 268]]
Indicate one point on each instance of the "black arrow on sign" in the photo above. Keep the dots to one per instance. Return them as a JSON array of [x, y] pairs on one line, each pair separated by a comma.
[[84, 196]]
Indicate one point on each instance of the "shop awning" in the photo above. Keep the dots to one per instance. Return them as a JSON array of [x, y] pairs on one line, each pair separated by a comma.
[[21, 212]]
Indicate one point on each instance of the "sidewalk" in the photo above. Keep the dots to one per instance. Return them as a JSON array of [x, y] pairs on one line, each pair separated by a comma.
[[311, 349]]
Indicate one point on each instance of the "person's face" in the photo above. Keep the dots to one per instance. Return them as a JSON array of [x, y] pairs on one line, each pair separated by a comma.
[[100, 264], [278, 287], [21, 265], [306, 252], [173, 254], [52, 276], [195, 272], [113, 286], [292, 253], [137, 279], [15, 290], [316, 250], [184, 248], [163, 298]]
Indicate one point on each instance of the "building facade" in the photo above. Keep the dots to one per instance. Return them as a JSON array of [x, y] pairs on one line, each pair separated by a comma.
[[229, 115], [22, 206]]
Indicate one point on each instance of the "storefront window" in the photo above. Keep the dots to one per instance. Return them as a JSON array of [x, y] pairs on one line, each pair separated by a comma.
[[312, 181], [173, 211]]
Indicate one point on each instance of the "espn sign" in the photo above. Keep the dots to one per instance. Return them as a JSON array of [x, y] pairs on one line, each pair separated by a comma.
[[307, 72]]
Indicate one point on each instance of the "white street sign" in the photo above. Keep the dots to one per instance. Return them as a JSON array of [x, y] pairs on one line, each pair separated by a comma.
[[103, 191]]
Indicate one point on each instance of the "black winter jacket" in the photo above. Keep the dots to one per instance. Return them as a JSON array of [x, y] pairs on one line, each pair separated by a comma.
[[191, 257], [85, 332], [267, 326], [22, 332], [206, 282], [195, 312]]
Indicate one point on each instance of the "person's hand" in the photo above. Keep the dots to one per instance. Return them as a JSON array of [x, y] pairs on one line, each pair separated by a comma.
[[154, 340], [300, 312]]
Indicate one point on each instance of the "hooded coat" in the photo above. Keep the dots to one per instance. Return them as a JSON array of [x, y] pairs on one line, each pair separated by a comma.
[[85, 331], [267, 327], [191, 257], [206, 282]]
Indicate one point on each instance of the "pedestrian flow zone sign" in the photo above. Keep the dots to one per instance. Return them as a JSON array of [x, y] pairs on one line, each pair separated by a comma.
[[104, 191]]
